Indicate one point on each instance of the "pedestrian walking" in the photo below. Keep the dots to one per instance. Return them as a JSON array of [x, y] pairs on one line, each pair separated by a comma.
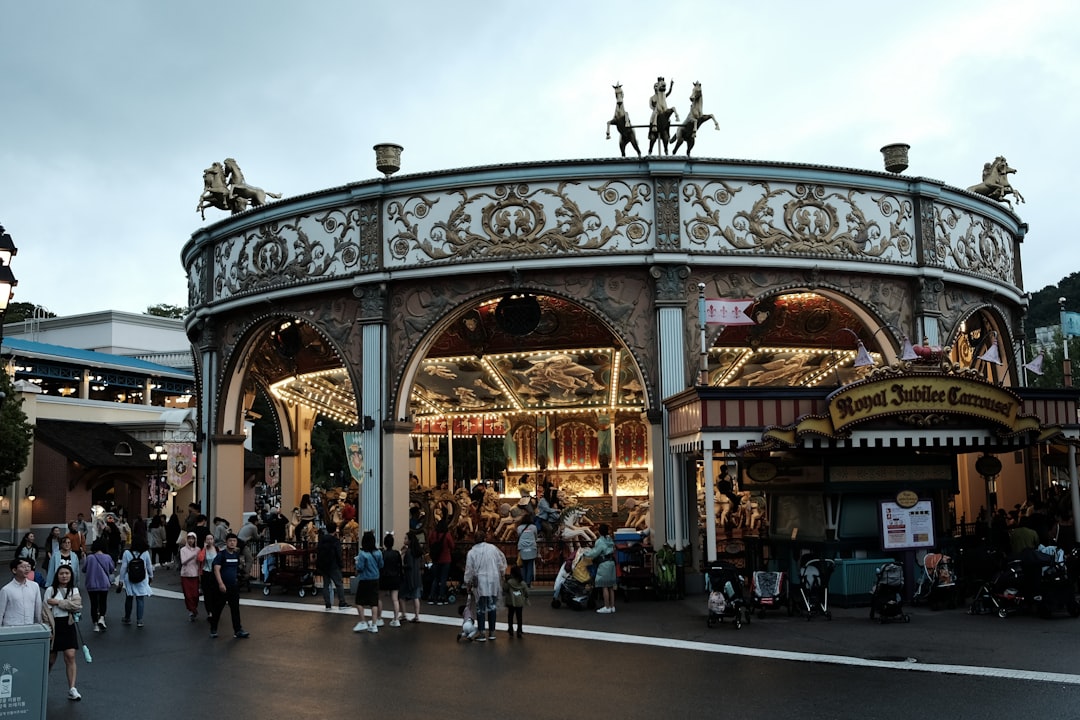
[[64, 557], [136, 572], [368, 564], [328, 564], [98, 568], [412, 584], [20, 599], [62, 602], [190, 573], [485, 566], [227, 575], [390, 582], [516, 595], [210, 591]]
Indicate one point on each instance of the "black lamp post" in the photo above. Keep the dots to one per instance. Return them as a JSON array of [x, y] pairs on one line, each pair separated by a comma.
[[156, 479], [7, 278]]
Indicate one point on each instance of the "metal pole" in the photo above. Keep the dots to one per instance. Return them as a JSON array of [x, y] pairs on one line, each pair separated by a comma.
[[1074, 491], [1066, 364], [704, 377]]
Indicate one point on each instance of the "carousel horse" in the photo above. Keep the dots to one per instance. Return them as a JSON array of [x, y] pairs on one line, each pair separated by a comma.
[[638, 517], [621, 121], [351, 532], [489, 510], [464, 510], [573, 529], [995, 182], [696, 118]]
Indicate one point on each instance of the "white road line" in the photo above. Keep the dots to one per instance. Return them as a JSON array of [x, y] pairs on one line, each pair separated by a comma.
[[672, 643]]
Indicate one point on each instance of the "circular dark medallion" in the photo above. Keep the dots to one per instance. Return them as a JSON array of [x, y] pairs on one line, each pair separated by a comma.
[[518, 315]]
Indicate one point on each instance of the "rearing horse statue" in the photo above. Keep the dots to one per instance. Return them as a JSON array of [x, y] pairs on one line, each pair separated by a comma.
[[621, 121], [694, 119], [660, 122], [995, 182]]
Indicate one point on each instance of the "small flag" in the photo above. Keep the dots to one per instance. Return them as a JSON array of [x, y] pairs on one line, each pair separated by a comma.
[[992, 355], [728, 312], [1035, 365]]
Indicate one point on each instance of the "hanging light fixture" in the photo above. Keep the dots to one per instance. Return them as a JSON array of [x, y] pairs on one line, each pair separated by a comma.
[[1036, 364], [992, 355]]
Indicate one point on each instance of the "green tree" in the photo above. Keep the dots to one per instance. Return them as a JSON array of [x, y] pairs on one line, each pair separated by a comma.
[[15, 435], [166, 311], [19, 311]]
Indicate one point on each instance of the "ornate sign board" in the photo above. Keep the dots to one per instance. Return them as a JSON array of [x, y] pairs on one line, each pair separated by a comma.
[[918, 399], [923, 395]]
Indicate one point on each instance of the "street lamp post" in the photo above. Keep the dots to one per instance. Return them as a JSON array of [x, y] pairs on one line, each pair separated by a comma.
[[1065, 362], [156, 479], [7, 291]]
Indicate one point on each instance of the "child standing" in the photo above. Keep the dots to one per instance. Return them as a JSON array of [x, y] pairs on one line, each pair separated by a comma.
[[516, 593]]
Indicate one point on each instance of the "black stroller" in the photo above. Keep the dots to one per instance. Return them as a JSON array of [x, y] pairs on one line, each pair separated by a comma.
[[814, 575], [887, 595], [727, 598]]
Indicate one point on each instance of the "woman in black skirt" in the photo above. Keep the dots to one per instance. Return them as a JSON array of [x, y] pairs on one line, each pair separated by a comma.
[[64, 602]]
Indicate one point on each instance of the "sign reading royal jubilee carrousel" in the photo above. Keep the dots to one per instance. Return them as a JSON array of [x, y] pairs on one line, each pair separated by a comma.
[[921, 394]]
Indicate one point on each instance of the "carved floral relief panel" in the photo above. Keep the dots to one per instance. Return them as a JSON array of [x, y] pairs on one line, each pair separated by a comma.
[[797, 219], [974, 244], [288, 252], [519, 220]]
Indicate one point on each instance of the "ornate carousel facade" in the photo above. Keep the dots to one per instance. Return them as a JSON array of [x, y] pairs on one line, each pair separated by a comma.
[[556, 309]]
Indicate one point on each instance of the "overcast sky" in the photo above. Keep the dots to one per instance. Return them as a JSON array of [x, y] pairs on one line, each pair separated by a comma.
[[111, 110]]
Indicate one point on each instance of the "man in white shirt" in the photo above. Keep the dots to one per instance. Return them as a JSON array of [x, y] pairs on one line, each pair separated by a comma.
[[20, 599], [485, 566]]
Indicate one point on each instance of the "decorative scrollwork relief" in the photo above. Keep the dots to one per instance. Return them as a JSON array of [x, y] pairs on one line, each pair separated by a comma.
[[288, 252], [815, 221], [197, 281], [516, 220], [974, 244]]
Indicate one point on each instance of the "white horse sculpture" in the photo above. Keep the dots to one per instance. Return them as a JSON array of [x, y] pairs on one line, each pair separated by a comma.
[[995, 182], [575, 525]]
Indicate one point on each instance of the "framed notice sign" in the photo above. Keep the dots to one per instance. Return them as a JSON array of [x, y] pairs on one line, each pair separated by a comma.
[[907, 528]]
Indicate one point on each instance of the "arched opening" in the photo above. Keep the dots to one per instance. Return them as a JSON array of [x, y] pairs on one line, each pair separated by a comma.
[[529, 384]]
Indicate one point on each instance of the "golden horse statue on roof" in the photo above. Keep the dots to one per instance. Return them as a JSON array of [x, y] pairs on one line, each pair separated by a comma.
[[995, 182], [224, 188]]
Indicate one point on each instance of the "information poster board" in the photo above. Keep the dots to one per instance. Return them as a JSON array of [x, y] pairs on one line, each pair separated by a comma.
[[907, 528]]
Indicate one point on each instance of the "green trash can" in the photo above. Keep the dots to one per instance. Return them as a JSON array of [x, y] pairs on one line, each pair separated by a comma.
[[24, 671]]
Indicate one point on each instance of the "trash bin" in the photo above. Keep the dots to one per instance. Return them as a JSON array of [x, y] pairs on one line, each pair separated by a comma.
[[24, 671]]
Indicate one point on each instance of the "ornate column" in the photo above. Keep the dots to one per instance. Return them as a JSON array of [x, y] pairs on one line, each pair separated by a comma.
[[671, 302], [227, 471], [372, 409]]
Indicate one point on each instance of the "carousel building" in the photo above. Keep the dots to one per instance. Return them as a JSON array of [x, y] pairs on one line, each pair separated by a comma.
[[821, 339]]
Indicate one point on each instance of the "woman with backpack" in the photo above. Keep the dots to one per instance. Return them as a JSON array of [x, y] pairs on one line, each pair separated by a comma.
[[390, 582], [136, 572]]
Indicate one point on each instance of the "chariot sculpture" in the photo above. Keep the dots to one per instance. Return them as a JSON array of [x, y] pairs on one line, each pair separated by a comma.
[[660, 133]]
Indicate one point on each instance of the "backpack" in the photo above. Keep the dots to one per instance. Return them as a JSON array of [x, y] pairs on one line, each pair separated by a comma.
[[136, 569]]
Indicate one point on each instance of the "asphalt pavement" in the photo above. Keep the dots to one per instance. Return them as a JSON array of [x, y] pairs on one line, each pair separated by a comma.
[[295, 637]]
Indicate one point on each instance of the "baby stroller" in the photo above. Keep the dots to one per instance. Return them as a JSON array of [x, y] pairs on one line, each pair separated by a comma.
[[469, 628], [292, 570], [887, 595], [769, 590], [814, 575], [938, 582], [726, 596], [574, 583]]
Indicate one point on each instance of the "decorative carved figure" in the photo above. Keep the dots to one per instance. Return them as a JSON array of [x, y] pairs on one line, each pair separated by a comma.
[[621, 121], [660, 121], [242, 192], [995, 182], [694, 119]]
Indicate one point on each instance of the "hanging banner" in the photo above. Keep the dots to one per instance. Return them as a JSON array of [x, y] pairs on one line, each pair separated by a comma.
[[1070, 324], [181, 464], [728, 312], [355, 455], [273, 470]]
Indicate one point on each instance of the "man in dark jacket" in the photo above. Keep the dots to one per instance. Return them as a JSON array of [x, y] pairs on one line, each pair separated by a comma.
[[328, 563]]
